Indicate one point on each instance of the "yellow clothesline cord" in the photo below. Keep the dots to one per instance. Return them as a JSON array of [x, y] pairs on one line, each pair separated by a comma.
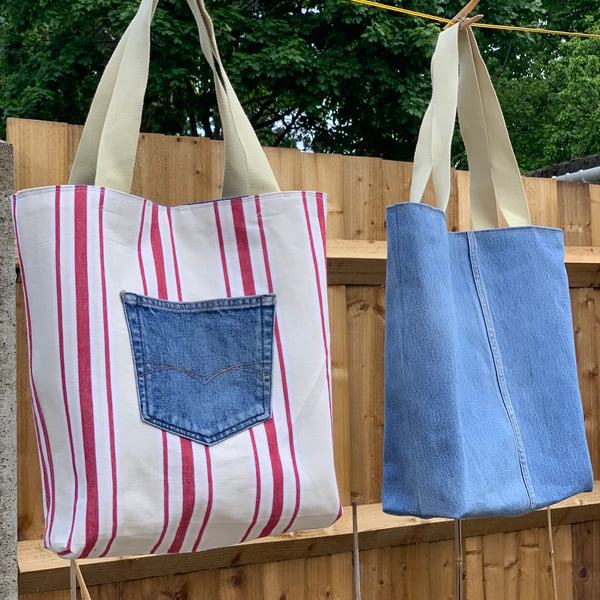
[[413, 13]]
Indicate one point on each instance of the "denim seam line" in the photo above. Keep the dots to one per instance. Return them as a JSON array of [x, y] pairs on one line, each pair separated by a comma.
[[237, 303], [153, 367], [493, 343], [208, 439]]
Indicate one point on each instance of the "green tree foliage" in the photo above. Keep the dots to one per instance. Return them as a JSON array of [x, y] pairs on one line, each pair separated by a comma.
[[553, 111], [550, 88], [329, 75]]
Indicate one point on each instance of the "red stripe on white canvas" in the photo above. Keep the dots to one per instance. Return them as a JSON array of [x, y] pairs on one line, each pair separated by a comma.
[[188, 493], [222, 249], [157, 254], [322, 219], [61, 354], [108, 379], [245, 264], [321, 211], [140, 257], [47, 465], [282, 369], [174, 253], [165, 492], [258, 495], [209, 501], [145, 288], [187, 453], [258, 487], [84, 367], [159, 267], [286, 398], [251, 433], [319, 291], [237, 208]]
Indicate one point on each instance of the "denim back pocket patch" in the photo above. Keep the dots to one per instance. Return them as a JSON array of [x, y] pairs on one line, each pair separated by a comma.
[[203, 369]]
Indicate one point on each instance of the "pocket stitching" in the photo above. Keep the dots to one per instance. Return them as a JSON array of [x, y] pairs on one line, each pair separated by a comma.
[[132, 303]]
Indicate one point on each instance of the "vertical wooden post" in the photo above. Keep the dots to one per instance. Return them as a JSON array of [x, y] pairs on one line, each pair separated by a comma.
[[458, 560], [8, 424]]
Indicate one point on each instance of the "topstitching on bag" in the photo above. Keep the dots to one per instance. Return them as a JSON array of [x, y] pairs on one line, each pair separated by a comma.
[[203, 369], [498, 366]]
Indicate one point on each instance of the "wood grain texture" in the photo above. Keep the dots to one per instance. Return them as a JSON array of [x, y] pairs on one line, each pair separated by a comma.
[[505, 559], [473, 580], [30, 517], [340, 381], [42, 570], [365, 313], [585, 304], [586, 561]]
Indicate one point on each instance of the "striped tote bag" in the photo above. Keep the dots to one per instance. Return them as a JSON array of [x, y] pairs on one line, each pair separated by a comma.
[[179, 356]]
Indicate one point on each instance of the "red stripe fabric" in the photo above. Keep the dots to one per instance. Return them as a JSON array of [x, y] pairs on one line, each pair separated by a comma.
[[321, 218], [165, 461], [288, 416], [319, 290], [174, 252], [209, 500], [161, 291], [188, 494], [258, 488], [46, 462], [252, 437], [187, 454], [245, 261], [84, 367], [157, 254], [242, 249], [270, 526], [222, 249], [107, 368], [61, 353], [140, 258]]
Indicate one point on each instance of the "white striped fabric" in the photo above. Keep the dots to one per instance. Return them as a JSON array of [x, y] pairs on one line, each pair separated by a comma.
[[113, 484]]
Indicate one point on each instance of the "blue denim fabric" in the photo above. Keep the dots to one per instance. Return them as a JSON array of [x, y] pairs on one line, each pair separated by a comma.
[[482, 408], [203, 368]]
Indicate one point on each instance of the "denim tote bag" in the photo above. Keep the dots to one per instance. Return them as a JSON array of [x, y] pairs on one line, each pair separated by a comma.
[[179, 356], [482, 408]]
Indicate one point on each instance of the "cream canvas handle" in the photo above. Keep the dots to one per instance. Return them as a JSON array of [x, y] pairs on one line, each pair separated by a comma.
[[106, 153], [461, 81], [432, 153]]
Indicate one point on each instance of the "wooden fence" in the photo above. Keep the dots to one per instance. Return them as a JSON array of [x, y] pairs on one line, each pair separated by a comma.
[[401, 558]]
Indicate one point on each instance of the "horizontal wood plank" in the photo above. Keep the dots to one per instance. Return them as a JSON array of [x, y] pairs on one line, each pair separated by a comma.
[[41, 570], [358, 262], [583, 266]]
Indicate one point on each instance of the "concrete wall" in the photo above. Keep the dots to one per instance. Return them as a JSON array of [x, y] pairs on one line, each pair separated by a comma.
[[8, 417]]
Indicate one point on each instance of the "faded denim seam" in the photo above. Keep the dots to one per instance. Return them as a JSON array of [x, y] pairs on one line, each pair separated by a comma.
[[203, 378], [497, 360], [207, 439], [240, 303]]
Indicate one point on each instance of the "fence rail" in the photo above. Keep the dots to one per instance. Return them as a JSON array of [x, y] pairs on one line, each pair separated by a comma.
[[401, 558]]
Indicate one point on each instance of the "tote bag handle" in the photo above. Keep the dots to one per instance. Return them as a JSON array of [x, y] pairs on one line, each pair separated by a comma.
[[106, 153], [460, 80]]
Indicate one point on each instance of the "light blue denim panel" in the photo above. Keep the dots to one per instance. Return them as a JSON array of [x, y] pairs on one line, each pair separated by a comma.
[[203, 369], [482, 408]]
